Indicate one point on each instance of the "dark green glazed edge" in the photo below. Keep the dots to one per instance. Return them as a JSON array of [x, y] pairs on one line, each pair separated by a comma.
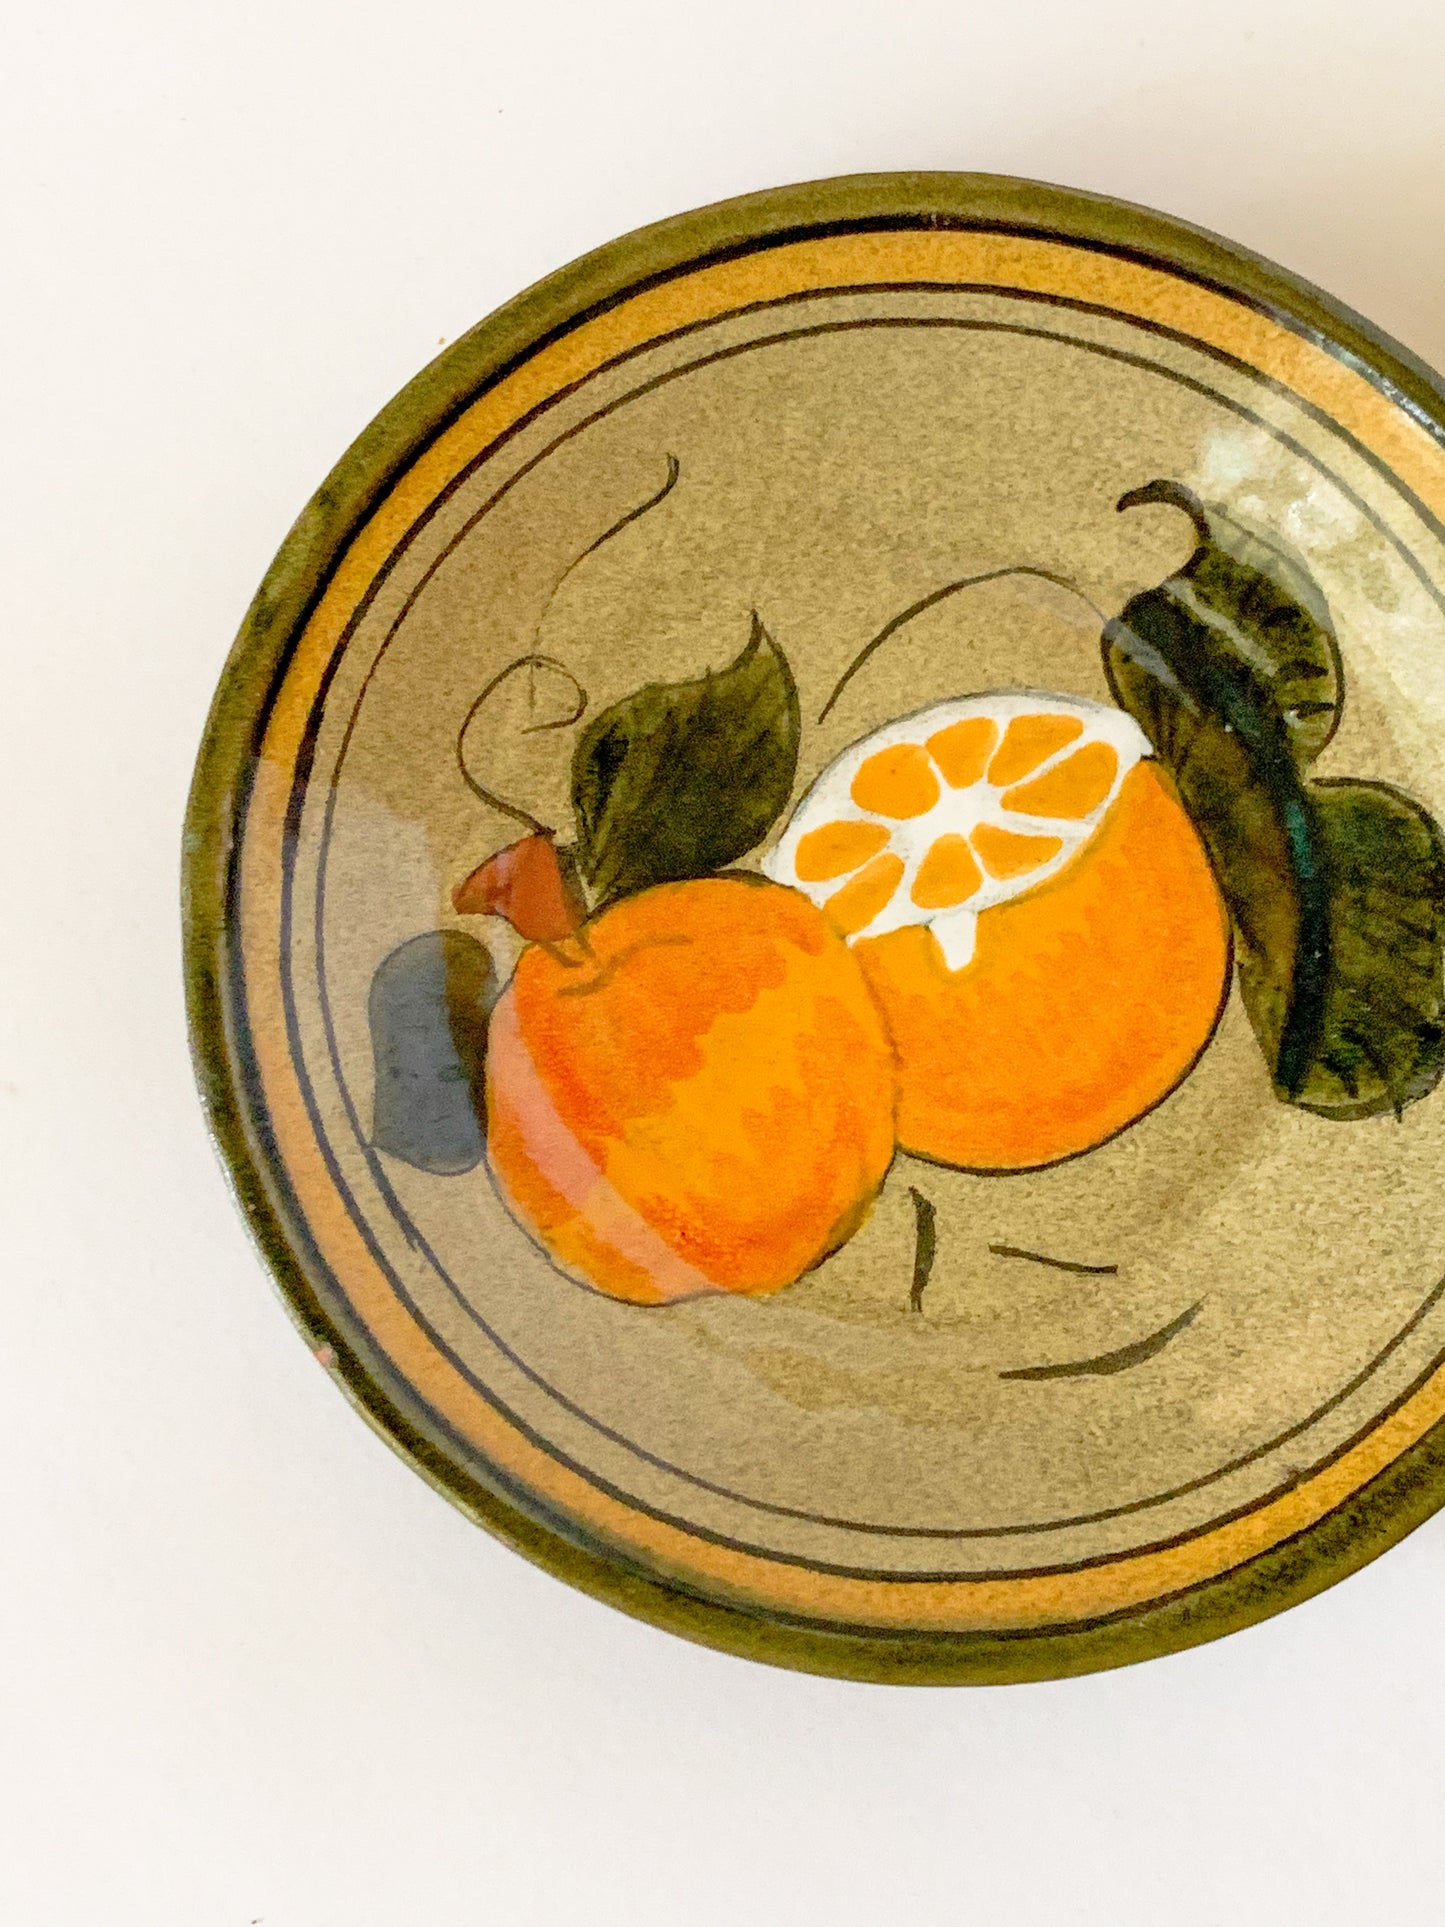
[[1392, 1505]]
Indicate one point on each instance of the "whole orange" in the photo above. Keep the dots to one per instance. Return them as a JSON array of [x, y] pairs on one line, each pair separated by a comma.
[[695, 1094]]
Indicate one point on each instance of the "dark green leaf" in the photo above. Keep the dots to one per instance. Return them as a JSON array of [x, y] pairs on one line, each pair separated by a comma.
[[680, 779], [1336, 890], [1252, 603], [429, 1005], [1381, 1039], [1229, 751]]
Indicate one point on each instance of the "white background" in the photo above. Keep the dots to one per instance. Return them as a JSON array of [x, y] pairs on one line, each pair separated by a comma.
[[251, 1669]]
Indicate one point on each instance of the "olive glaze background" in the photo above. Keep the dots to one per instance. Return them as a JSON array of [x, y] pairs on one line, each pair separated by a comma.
[[257, 1671]]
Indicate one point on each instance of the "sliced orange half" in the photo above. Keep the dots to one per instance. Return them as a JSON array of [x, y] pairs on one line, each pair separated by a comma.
[[1034, 912]]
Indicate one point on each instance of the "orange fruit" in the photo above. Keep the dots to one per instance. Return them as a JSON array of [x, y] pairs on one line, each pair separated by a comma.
[[695, 1094], [1034, 912]]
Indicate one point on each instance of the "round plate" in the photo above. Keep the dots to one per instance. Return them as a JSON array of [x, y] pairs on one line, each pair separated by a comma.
[[711, 482]]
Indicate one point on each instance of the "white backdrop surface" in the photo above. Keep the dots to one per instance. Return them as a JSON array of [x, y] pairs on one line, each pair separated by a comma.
[[253, 1673]]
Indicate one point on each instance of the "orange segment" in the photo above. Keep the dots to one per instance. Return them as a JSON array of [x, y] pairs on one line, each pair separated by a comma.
[[1074, 788], [833, 849], [1007, 854], [962, 750], [1027, 741], [897, 782], [855, 906], [947, 876]]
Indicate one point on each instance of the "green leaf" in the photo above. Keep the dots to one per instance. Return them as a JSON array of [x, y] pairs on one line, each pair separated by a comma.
[[1336, 889], [1381, 1038], [1251, 601], [680, 779]]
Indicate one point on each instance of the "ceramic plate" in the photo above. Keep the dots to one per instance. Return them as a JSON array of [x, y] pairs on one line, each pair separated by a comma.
[[814, 918]]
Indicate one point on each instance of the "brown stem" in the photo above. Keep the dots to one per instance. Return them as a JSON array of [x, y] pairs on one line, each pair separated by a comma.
[[1172, 495]]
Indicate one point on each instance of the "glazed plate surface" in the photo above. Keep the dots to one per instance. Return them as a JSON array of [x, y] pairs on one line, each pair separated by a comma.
[[1163, 1365]]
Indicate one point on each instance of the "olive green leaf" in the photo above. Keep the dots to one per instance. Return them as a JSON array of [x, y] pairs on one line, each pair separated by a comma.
[[680, 779], [1336, 889], [430, 1002], [1249, 600], [1380, 1037]]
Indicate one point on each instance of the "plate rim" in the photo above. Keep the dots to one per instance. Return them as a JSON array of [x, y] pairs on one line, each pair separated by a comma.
[[1381, 1513]]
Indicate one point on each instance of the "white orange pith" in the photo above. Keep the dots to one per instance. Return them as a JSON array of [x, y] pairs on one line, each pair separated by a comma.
[[1034, 912], [937, 817]]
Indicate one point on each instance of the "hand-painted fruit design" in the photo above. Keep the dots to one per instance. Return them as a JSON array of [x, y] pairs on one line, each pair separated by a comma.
[[993, 935], [1034, 912], [694, 1094]]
